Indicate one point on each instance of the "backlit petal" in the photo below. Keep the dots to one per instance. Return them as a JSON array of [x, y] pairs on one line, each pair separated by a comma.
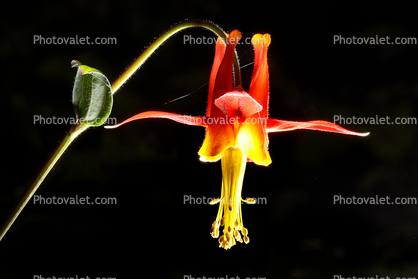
[[219, 137], [184, 119], [259, 88], [223, 81], [252, 140], [275, 125], [219, 55]]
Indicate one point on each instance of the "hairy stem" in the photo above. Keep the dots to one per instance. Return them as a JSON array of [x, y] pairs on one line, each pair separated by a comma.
[[158, 42]]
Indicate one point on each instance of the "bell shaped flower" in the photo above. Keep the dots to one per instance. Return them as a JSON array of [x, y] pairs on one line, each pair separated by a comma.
[[237, 127]]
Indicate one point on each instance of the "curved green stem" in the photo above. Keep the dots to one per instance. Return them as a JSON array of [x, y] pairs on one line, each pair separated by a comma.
[[74, 131], [173, 30]]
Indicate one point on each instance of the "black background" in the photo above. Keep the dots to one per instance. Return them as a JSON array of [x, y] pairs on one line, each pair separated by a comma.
[[150, 165]]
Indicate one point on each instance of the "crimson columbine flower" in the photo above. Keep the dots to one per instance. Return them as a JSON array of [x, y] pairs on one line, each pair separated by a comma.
[[237, 125]]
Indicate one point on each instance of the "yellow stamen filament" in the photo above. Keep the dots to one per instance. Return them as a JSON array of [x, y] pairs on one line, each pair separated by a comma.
[[215, 201], [229, 213], [250, 201]]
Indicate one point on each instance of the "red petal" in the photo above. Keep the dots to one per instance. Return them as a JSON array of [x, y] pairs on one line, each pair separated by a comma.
[[223, 81], [275, 125], [218, 138], [184, 119], [219, 55], [259, 88]]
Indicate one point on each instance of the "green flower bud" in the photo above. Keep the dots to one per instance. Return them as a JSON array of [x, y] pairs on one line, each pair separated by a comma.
[[92, 95]]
